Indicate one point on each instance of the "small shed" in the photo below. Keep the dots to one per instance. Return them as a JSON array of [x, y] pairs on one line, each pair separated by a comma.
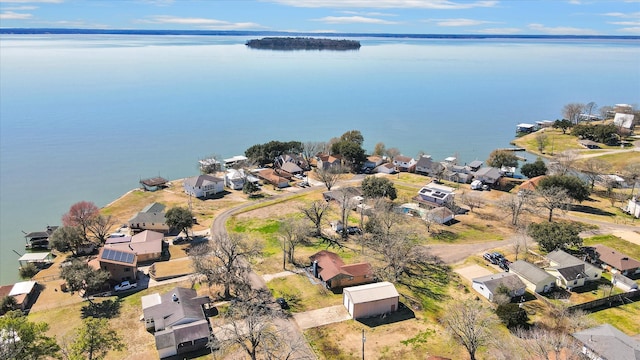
[[370, 300]]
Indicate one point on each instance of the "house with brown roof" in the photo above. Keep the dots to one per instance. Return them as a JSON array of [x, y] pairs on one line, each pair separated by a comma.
[[615, 261], [326, 162], [147, 245], [531, 184], [277, 178], [329, 267], [121, 264]]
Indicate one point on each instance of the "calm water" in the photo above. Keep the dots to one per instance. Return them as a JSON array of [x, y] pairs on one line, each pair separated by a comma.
[[85, 117]]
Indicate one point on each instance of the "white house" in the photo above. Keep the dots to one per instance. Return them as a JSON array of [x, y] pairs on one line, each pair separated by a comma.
[[234, 161], [441, 215], [570, 271], [488, 286], [203, 186], [387, 168], [438, 194], [404, 163], [234, 179], [370, 300], [623, 120], [536, 279], [633, 207], [372, 162], [488, 175]]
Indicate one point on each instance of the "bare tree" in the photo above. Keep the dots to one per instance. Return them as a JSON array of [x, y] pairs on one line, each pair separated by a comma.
[[311, 149], [592, 168], [572, 112], [250, 327], [393, 152], [400, 253], [631, 174], [520, 241], [472, 200], [100, 227], [552, 198], [345, 198], [543, 343], [223, 260], [517, 204], [383, 218], [590, 108], [292, 232], [329, 177], [542, 140], [380, 149], [316, 212], [470, 324], [563, 162]]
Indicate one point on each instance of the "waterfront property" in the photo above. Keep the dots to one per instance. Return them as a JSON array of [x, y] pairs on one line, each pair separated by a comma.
[[147, 245], [536, 279], [426, 166], [153, 184], [404, 163], [24, 293], [329, 267], [121, 264], [39, 239], [326, 162], [525, 128], [39, 259], [488, 175], [235, 161], [177, 321], [277, 178], [203, 186], [434, 195], [370, 300], [152, 217]]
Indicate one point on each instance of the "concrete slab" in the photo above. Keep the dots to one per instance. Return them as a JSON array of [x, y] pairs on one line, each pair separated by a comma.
[[320, 317], [473, 271], [630, 236]]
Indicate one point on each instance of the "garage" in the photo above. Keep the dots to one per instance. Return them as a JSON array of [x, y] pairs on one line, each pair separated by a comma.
[[370, 300]]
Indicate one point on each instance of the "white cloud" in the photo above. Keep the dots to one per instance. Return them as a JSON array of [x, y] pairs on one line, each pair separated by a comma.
[[353, 20], [158, 2], [630, 30], [10, 15], [500, 31], [459, 22], [575, 2], [204, 23], [367, 13], [389, 4], [561, 30], [19, 8], [633, 15], [626, 23]]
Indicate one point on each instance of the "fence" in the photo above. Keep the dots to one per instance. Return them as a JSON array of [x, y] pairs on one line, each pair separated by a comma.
[[609, 301]]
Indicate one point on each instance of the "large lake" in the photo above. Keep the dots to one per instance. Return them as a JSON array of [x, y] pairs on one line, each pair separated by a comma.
[[84, 117]]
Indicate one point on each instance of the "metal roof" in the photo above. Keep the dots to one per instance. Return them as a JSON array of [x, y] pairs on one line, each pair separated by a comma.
[[371, 292]]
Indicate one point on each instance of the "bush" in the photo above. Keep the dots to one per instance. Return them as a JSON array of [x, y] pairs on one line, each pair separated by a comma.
[[512, 315], [28, 271]]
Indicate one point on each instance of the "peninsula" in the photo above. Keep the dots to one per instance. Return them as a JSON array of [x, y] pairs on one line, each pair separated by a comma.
[[302, 43]]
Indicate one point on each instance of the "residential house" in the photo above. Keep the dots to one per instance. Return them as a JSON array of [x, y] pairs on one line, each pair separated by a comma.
[[536, 279], [372, 162], [624, 283], [147, 245], [615, 261], [291, 168], [589, 144], [298, 160], [24, 293], [326, 162], [330, 268], [458, 173], [488, 175], [234, 179], [624, 121], [633, 207], [39, 239], [490, 285], [606, 342], [277, 178], [153, 184], [531, 184], [152, 217], [570, 271], [177, 321], [440, 215], [386, 168], [352, 195], [426, 166], [475, 165], [433, 194], [404, 163], [203, 186], [370, 300], [121, 264]]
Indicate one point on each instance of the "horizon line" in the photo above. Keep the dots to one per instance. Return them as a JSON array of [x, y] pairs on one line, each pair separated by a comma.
[[124, 31]]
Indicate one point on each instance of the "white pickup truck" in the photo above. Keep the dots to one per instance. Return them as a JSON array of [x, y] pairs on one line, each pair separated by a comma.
[[125, 285]]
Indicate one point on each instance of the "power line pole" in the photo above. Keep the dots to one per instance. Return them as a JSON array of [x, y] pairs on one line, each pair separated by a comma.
[[363, 341]]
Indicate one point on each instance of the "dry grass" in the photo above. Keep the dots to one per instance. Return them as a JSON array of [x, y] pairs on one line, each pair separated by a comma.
[[171, 269]]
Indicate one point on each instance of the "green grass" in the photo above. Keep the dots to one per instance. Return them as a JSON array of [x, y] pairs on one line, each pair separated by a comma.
[[557, 142], [301, 294], [625, 317], [616, 243], [618, 161]]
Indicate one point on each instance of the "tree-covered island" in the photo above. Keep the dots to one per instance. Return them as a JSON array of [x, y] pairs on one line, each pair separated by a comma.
[[302, 43]]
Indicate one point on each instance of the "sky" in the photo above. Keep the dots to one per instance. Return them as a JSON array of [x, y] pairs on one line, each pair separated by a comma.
[[520, 17]]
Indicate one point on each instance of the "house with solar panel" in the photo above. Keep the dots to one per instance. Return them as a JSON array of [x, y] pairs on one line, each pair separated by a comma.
[[121, 264]]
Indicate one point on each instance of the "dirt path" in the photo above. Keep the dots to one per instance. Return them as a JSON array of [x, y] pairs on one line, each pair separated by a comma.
[[455, 253]]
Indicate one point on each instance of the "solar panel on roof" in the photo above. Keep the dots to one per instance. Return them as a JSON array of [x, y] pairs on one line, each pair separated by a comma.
[[120, 256]]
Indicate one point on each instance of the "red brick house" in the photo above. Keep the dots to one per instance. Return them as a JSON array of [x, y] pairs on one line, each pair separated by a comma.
[[330, 268]]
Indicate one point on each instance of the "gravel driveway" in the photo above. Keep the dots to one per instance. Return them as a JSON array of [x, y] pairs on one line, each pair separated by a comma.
[[319, 317]]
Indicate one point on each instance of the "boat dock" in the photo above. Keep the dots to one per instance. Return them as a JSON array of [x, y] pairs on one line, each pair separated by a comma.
[[512, 149]]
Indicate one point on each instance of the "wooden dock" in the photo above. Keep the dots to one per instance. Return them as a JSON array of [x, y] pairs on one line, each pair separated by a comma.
[[512, 149]]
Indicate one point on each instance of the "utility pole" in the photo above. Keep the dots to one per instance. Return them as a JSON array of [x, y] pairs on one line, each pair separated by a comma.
[[363, 341]]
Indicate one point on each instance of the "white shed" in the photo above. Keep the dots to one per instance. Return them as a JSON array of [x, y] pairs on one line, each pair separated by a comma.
[[370, 300]]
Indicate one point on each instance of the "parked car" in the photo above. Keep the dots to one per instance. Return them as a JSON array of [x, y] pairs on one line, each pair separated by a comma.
[[298, 176], [489, 258], [179, 240], [504, 265], [126, 285], [351, 230], [499, 257]]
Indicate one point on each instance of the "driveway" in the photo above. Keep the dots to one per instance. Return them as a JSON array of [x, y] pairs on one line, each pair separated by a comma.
[[319, 317], [473, 271]]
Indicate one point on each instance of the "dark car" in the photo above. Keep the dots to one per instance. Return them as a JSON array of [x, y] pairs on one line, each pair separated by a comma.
[[499, 257], [488, 257], [504, 265], [283, 303]]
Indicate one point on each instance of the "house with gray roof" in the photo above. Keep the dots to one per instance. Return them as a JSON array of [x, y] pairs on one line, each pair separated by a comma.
[[570, 271], [536, 279], [150, 218], [426, 166], [488, 175], [203, 186], [177, 320], [607, 342], [488, 286]]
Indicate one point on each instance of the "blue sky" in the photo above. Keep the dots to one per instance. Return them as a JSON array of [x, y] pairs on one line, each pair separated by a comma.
[[537, 17]]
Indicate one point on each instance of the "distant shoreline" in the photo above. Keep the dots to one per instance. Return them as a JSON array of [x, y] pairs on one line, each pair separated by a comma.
[[69, 31]]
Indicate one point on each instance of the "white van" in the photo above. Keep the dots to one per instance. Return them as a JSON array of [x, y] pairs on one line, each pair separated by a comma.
[[476, 185]]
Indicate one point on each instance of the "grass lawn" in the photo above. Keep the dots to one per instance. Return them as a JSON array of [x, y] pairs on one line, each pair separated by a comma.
[[301, 294], [618, 161], [625, 318], [166, 269], [557, 142]]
